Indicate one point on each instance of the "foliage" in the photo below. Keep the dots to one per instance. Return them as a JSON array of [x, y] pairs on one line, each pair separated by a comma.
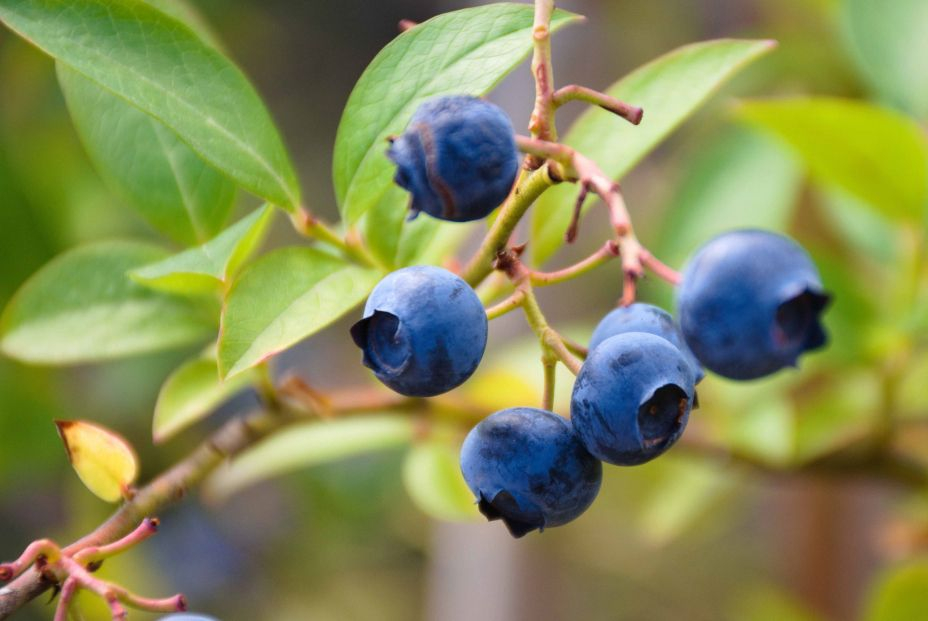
[[176, 130]]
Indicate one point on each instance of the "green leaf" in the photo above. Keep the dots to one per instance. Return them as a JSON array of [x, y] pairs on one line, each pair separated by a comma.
[[104, 460], [171, 187], [865, 230], [432, 475], [901, 593], [874, 153], [83, 307], [462, 52], [669, 89], [191, 393], [398, 242], [182, 11], [207, 268], [685, 490], [309, 445], [162, 67], [281, 299], [887, 41], [740, 180], [431, 243]]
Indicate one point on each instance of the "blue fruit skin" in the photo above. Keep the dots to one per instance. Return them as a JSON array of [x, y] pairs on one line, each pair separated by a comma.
[[619, 383], [458, 158], [640, 317], [750, 303], [424, 331], [528, 468]]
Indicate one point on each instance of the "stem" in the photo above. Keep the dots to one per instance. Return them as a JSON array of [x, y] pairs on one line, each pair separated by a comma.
[[530, 186], [146, 529], [308, 225], [660, 269], [577, 167], [607, 252], [64, 602], [542, 120], [551, 340], [549, 363], [575, 348], [574, 92], [166, 489], [511, 303], [493, 288], [265, 386]]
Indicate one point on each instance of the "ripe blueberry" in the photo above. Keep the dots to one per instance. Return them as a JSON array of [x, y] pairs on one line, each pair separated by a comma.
[[632, 398], [750, 303], [645, 318], [423, 332], [528, 468], [458, 158]]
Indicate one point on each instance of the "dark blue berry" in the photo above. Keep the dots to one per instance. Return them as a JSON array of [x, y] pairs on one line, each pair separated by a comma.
[[750, 303], [528, 468], [645, 318], [424, 331], [458, 158], [632, 398]]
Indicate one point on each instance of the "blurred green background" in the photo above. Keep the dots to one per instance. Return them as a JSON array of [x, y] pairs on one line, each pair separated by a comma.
[[756, 536]]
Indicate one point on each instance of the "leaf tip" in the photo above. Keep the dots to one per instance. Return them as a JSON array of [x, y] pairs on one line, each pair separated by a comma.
[[63, 426]]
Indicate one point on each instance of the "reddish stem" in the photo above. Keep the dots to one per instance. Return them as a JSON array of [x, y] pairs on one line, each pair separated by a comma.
[[575, 92]]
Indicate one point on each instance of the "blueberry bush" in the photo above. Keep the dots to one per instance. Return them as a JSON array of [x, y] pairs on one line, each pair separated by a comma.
[[450, 218]]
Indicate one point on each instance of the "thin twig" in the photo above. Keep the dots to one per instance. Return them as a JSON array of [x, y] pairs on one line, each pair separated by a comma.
[[606, 253], [575, 92]]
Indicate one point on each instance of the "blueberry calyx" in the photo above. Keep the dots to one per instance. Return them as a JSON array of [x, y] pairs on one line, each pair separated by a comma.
[[661, 416], [503, 507], [380, 338]]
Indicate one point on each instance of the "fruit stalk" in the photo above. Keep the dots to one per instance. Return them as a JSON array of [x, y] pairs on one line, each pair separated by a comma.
[[542, 120], [529, 186]]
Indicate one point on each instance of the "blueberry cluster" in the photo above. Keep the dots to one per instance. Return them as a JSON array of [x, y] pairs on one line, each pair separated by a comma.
[[749, 304]]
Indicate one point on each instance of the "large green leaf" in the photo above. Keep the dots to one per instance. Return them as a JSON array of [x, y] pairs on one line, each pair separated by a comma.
[[462, 52], [191, 393], [399, 242], [161, 66], [887, 41], [669, 89], [309, 445], [211, 266], [83, 307], [281, 299], [742, 179], [433, 479], [876, 154], [901, 594], [170, 185], [183, 11]]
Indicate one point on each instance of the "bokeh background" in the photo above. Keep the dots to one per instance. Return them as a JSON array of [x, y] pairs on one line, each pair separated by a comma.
[[691, 536]]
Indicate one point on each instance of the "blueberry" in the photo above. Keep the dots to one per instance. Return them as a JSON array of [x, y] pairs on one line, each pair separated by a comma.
[[632, 398], [424, 331], [186, 617], [528, 468], [458, 158], [750, 303], [645, 318]]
